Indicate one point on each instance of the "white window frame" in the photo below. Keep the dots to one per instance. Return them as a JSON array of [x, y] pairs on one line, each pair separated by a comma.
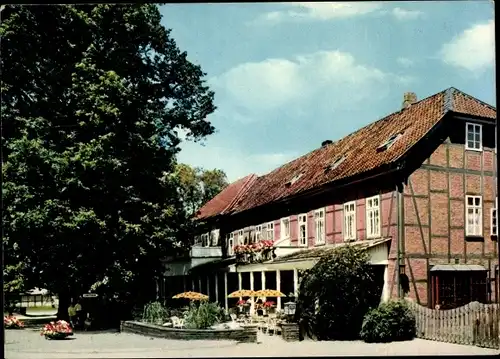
[[373, 221], [258, 233], [319, 226], [296, 178], [494, 219], [285, 234], [214, 238], [240, 237], [477, 230], [230, 244], [270, 231], [337, 162], [197, 241], [389, 142], [302, 241], [476, 129], [205, 240], [350, 232]]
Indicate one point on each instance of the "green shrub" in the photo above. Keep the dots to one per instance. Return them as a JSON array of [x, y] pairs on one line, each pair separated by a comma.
[[392, 321], [155, 313], [203, 315], [336, 293]]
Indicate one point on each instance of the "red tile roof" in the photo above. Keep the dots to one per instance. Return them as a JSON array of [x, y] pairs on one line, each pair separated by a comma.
[[226, 198], [359, 149]]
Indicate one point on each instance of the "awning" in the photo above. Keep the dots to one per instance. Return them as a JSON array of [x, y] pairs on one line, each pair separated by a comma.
[[318, 252], [307, 258], [219, 265], [457, 268]]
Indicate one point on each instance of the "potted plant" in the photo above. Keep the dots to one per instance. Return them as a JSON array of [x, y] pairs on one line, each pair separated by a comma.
[[11, 322], [57, 330], [269, 306]]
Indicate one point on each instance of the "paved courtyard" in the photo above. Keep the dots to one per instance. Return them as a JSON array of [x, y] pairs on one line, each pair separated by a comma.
[[28, 343]]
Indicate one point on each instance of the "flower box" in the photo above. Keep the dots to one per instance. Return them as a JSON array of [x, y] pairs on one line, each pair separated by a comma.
[[255, 252]]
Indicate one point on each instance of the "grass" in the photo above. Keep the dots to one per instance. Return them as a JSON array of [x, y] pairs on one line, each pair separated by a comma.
[[47, 308], [36, 310]]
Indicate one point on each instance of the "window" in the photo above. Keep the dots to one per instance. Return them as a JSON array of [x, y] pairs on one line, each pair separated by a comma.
[[285, 228], [373, 217], [230, 244], [474, 213], [258, 233], [350, 221], [240, 237], [473, 136], [270, 231], [205, 240], [197, 240], [389, 142], [214, 235], [319, 226], [294, 179], [452, 289], [494, 219], [302, 220], [336, 163]]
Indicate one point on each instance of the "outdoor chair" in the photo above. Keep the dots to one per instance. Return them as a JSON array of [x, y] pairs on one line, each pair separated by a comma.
[[271, 325], [177, 322]]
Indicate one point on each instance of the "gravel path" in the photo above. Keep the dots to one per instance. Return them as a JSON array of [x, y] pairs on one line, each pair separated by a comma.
[[29, 344]]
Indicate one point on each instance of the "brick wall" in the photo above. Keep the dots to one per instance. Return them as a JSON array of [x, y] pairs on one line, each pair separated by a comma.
[[434, 212]]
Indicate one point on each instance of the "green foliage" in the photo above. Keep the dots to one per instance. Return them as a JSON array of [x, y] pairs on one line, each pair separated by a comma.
[[203, 315], [155, 313], [198, 186], [336, 293], [391, 321], [93, 99]]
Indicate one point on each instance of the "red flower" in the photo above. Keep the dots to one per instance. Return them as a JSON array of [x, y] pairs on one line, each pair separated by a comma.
[[268, 304]]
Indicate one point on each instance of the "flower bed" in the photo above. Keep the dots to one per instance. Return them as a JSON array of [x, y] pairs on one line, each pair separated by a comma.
[[246, 334], [11, 322], [57, 330]]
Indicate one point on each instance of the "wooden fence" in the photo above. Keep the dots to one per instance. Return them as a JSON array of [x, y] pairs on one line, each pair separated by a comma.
[[472, 324]]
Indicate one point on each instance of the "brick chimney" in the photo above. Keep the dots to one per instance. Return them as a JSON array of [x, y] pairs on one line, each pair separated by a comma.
[[409, 99]]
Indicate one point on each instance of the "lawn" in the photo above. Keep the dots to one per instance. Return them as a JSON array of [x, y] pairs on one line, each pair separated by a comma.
[[36, 310]]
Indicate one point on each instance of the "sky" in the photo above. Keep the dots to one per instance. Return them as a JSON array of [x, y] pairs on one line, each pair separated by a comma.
[[288, 76]]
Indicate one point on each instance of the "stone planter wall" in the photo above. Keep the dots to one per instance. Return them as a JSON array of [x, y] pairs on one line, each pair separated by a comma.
[[290, 332], [248, 334]]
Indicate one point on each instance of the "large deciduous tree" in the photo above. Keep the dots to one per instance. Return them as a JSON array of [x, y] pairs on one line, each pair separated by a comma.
[[197, 186], [93, 97]]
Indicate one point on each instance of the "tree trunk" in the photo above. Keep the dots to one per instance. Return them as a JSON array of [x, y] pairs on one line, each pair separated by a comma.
[[64, 302]]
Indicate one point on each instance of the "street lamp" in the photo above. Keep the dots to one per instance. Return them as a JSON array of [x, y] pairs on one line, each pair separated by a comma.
[[289, 308]]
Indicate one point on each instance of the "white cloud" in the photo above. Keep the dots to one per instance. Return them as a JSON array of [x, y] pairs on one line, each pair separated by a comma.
[[331, 78], [233, 161], [405, 62], [282, 89], [402, 14], [307, 11], [473, 49]]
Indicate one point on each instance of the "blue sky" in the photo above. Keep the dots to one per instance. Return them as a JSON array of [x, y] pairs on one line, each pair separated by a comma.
[[287, 76]]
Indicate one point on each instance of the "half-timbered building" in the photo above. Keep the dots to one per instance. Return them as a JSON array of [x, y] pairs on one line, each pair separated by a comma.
[[416, 188]]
